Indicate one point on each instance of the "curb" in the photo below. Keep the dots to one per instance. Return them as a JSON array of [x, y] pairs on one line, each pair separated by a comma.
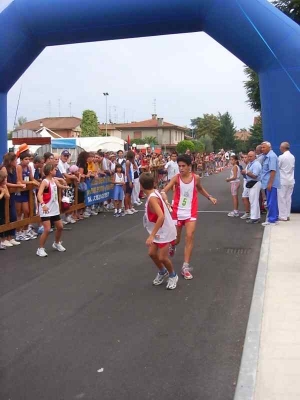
[[246, 383]]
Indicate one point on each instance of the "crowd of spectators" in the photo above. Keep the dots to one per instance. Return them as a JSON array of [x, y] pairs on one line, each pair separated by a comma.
[[268, 184]]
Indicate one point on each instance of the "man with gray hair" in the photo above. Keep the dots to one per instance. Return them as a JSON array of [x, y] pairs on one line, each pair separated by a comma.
[[270, 181], [286, 167], [252, 173]]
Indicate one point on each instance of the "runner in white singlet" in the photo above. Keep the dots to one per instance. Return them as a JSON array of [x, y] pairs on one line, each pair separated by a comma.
[[185, 207], [49, 210], [160, 226]]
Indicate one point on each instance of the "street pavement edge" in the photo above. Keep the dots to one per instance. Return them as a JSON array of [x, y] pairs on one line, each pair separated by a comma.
[[246, 383]]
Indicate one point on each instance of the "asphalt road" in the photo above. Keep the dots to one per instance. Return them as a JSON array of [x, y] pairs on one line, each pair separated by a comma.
[[88, 324]]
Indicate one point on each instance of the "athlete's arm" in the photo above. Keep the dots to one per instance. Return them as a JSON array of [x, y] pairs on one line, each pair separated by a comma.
[[154, 205], [202, 191], [168, 187]]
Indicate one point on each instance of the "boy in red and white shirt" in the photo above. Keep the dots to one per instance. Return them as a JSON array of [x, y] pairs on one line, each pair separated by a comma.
[[185, 207], [160, 226]]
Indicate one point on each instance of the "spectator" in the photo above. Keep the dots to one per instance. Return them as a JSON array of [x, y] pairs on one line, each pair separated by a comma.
[[82, 164], [172, 167], [4, 194], [63, 165], [245, 194], [24, 176], [136, 181], [270, 181], [9, 166], [287, 181], [253, 173], [129, 177], [234, 185]]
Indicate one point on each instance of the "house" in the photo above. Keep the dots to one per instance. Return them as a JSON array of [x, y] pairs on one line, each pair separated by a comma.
[[167, 135], [242, 135], [66, 127]]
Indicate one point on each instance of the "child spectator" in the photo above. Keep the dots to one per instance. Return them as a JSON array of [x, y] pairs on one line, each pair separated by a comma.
[[49, 210], [234, 185], [24, 176], [119, 183], [160, 226], [4, 194]]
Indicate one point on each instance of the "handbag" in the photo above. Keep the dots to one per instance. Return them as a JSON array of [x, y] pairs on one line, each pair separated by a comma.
[[65, 203], [82, 187], [250, 184]]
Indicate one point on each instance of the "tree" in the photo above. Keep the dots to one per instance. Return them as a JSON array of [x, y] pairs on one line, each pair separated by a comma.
[[185, 145], [9, 135], [290, 7], [252, 89], [22, 120], [150, 140], [89, 124], [199, 146], [256, 134], [207, 143], [209, 124], [226, 132]]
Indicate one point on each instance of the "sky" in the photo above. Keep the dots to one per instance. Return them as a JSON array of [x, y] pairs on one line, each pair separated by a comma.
[[179, 76]]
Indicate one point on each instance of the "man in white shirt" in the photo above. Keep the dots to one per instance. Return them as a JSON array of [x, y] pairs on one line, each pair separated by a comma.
[[172, 166], [63, 165], [286, 168]]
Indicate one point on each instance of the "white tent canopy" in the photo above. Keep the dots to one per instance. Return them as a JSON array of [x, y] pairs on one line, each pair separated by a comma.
[[109, 143]]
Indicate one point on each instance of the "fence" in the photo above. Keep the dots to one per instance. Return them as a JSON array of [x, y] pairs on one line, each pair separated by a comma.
[[35, 218]]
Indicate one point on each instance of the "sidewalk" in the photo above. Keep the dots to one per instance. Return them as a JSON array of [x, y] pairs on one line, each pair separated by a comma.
[[270, 368]]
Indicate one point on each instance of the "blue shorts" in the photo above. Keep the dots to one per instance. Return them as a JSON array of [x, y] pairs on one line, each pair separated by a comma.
[[118, 192]]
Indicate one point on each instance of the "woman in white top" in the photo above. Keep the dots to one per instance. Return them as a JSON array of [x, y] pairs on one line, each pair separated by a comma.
[[234, 185], [49, 210]]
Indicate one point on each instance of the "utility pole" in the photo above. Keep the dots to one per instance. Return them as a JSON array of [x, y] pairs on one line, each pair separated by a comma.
[[106, 94]]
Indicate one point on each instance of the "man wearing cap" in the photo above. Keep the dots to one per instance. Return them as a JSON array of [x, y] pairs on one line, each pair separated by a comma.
[[63, 165]]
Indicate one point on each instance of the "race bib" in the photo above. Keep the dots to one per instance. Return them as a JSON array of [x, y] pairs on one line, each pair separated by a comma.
[[185, 202]]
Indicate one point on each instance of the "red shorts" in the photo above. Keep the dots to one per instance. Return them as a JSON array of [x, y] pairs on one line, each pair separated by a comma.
[[161, 245], [182, 222]]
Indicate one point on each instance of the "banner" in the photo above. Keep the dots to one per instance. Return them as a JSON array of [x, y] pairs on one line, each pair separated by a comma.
[[98, 190]]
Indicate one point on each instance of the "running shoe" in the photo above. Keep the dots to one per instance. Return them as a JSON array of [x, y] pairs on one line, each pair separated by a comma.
[[245, 216], [269, 223], [14, 242], [2, 247], [129, 212], [186, 273], [233, 214], [7, 243], [40, 230], [172, 250], [252, 221], [160, 278], [134, 210], [172, 282], [41, 252], [58, 246], [21, 236]]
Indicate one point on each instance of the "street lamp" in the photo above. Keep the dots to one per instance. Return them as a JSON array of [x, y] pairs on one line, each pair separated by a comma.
[[106, 94]]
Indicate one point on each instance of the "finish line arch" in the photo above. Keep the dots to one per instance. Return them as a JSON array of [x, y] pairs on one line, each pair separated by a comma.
[[253, 30]]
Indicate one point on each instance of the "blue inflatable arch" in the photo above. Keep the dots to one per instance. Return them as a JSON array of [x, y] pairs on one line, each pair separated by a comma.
[[253, 30]]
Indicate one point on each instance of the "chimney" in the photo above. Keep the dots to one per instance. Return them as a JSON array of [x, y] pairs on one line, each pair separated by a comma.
[[160, 121], [154, 116], [41, 124]]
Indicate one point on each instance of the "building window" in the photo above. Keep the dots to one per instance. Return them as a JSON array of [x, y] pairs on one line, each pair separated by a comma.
[[137, 135]]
